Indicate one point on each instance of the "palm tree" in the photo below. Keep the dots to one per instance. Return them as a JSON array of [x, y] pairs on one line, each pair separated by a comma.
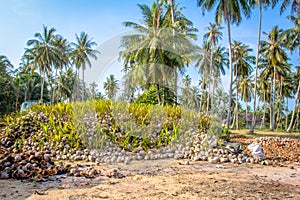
[[83, 50], [42, 54], [230, 11], [203, 65], [276, 57], [111, 87], [213, 35], [263, 91], [242, 68], [291, 37], [245, 89], [222, 101], [297, 77], [64, 48], [152, 47], [5, 65], [66, 84], [260, 4], [295, 6]]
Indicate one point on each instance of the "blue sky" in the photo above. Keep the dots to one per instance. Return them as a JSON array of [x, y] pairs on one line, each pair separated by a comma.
[[102, 20]]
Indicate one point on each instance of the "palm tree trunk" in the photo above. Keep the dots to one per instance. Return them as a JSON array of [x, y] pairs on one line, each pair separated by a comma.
[[208, 100], [286, 110], [298, 12], [230, 70], [202, 94], [214, 79], [246, 114], [251, 131], [213, 95], [172, 3], [42, 85], [295, 107], [272, 114], [53, 89], [265, 110], [17, 99], [237, 103], [25, 95], [83, 83], [280, 105], [233, 121], [158, 94]]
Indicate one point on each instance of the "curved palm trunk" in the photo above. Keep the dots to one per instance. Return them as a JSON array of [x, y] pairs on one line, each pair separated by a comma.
[[294, 110], [251, 131], [230, 71]]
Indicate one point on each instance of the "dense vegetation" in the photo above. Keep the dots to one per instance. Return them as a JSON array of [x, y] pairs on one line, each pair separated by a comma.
[[154, 58], [90, 124]]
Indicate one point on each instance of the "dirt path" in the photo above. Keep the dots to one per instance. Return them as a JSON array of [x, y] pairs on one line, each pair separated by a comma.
[[167, 179]]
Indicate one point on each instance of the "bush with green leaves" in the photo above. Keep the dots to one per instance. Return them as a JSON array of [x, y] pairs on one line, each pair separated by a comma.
[[154, 94]]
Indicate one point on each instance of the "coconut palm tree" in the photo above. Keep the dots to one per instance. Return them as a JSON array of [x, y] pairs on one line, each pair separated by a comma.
[[203, 65], [297, 78], [263, 91], [152, 47], [291, 37], [82, 51], [213, 35], [5, 65], [276, 58], [111, 87], [64, 48], [42, 54], [242, 68], [231, 11], [245, 89], [66, 83], [295, 6], [261, 4]]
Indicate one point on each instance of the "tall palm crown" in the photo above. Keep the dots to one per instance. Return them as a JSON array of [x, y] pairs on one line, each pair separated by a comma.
[[242, 58], [273, 48], [151, 48], [83, 50], [111, 86], [291, 37], [230, 10], [42, 54], [5, 65], [295, 6], [213, 34]]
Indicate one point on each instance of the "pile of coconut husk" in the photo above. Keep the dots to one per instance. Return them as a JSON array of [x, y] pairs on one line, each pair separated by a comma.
[[276, 149]]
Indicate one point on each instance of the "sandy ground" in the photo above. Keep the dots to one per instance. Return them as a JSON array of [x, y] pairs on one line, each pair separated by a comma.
[[167, 179]]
